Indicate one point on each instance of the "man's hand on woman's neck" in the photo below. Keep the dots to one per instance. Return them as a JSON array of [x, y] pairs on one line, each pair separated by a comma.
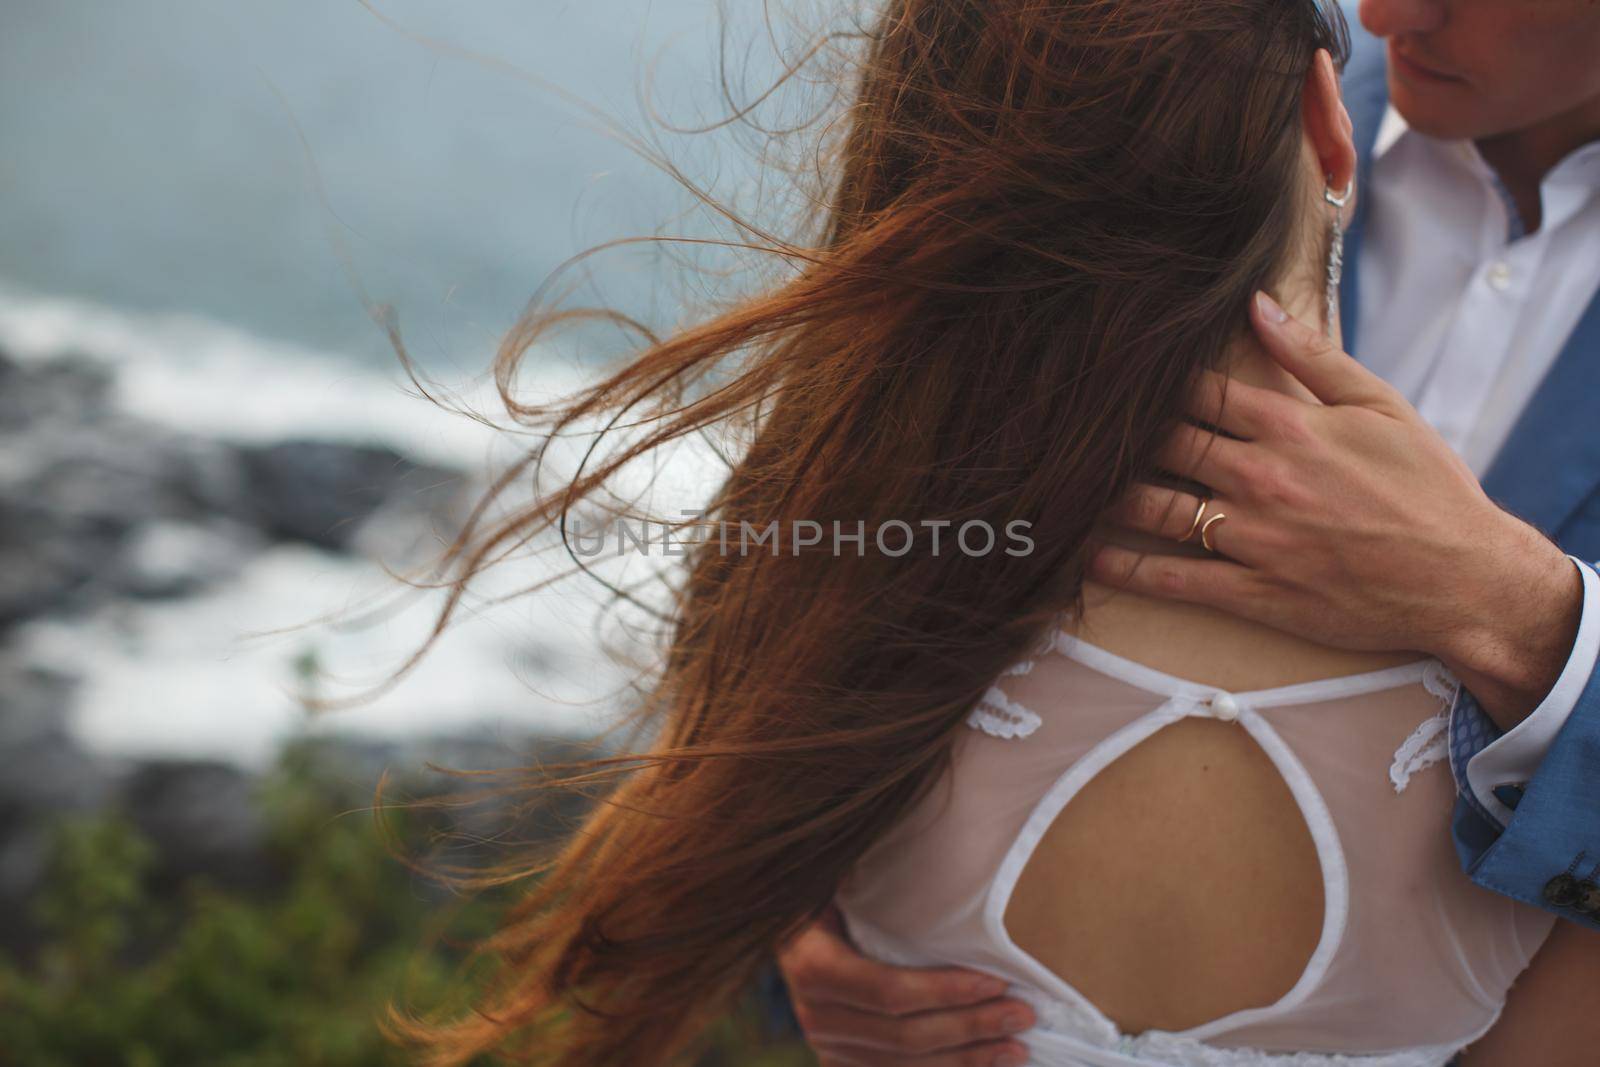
[[1245, 361]]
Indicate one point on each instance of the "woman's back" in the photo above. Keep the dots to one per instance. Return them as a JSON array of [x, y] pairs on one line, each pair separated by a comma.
[[1195, 829]]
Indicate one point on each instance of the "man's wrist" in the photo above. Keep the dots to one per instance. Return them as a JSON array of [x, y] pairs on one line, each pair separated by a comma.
[[1517, 624]]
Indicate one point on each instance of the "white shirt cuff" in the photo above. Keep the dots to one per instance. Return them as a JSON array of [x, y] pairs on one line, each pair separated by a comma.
[[1514, 757]]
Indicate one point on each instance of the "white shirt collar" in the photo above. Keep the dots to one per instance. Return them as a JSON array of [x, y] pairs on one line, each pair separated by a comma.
[[1570, 183], [1389, 131], [1395, 128], [1579, 167]]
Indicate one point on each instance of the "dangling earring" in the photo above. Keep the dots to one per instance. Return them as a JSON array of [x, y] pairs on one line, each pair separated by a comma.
[[1335, 252]]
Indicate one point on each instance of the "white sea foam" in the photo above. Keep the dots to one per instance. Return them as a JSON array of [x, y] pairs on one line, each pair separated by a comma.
[[194, 373], [186, 676]]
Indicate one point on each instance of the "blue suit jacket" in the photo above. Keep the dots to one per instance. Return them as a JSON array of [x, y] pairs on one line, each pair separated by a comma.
[[1548, 472]]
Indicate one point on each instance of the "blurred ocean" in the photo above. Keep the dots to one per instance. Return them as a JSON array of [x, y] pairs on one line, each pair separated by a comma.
[[153, 161], [160, 212]]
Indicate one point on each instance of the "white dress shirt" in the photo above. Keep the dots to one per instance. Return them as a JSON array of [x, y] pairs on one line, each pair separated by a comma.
[[1464, 312]]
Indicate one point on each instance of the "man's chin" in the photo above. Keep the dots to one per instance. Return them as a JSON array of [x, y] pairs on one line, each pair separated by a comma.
[[1443, 112]]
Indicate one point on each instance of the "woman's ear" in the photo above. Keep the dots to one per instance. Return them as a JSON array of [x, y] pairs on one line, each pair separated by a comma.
[[1327, 123]]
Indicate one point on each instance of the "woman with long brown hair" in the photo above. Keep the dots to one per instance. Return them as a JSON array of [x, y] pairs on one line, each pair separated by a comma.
[[1183, 838]]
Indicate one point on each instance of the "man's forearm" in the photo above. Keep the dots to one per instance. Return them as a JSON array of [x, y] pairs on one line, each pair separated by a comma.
[[1518, 632]]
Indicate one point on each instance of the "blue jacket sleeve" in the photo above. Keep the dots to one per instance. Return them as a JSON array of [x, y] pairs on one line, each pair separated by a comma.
[[1548, 854]]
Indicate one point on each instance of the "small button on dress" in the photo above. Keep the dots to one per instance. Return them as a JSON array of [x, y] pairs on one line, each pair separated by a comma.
[[1225, 707]]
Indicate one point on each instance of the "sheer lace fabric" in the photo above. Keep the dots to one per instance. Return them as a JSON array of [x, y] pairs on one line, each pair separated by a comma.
[[1413, 963]]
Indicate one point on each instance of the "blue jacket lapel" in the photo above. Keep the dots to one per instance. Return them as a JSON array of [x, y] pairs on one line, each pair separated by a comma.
[[1551, 461]]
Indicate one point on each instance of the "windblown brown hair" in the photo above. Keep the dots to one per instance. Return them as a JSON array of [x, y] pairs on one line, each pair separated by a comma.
[[1046, 218]]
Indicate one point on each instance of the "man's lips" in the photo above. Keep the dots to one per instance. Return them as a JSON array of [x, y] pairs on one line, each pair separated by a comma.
[[1419, 70]]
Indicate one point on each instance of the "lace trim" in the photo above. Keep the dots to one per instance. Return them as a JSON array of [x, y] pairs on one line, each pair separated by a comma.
[[1069, 1019], [1429, 743], [1438, 680], [1000, 716], [1172, 1050], [1066, 1022]]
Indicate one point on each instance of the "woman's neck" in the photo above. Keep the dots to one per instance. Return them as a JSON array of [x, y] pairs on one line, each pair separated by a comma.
[[1197, 641], [1248, 363]]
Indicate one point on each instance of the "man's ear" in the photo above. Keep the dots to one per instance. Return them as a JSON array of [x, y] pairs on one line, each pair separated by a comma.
[[1327, 123]]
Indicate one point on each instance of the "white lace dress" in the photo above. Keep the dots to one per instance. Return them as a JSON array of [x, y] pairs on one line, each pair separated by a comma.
[[1414, 961]]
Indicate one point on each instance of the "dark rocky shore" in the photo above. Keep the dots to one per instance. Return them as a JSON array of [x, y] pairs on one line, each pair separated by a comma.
[[97, 507]]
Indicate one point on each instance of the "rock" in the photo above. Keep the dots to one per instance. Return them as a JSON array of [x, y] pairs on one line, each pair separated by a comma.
[[96, 504], [78, 478], [202, 818], [63, 390], [321, 492], [44, 776], [42, 769], [67, 513], [45, 560]]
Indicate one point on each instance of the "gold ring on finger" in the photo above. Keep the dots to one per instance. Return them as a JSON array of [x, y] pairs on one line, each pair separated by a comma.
[[1200, 513], [1205, 531]]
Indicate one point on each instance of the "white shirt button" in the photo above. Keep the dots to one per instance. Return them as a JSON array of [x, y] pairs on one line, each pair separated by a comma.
[[1499, 276], [1225, 707]]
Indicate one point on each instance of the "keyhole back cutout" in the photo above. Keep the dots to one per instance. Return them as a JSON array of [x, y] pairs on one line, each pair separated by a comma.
[[1179, 884]]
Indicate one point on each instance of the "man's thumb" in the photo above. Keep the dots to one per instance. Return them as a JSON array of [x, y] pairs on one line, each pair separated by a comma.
[[1332, 376]]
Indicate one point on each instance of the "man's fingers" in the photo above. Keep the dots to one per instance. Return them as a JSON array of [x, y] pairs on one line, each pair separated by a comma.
[[878, 987], [1332, 376], [819, 966], [973, 1034], [1217, 582], [857, 1011], [1169, 513], [1202, 456], [1231, 405]]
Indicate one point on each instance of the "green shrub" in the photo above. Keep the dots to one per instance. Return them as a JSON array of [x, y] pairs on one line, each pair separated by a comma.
[[294, 976]]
